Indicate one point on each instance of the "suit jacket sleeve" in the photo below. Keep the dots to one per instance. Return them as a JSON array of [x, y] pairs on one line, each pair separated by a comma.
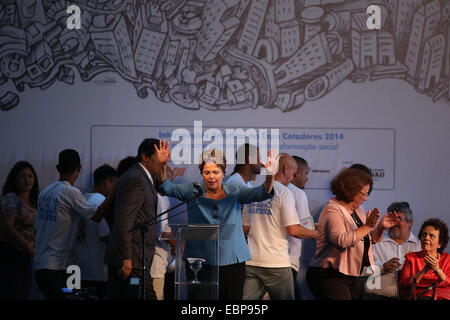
[[131, 200]]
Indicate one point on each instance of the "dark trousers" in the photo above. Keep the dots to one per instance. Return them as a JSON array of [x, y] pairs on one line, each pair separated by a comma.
[[15, 273], [330, 284], [118, 288], [296, 286], [51, 282], [231, 281]]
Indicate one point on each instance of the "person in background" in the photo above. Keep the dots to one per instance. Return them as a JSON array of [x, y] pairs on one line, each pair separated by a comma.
[[246, 168], [428, 267], [344, 246], [272, 222], [91, 238], [247, 165], [301, 176], [301, 206], [17, 218], [389, 253], [125, 164], [60, 208], [162, 250]]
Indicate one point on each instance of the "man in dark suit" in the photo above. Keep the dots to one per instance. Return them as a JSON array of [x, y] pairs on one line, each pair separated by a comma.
[[136, 201]]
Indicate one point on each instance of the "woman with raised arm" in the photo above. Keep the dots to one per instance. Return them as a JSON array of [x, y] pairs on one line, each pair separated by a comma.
[[220, 204]]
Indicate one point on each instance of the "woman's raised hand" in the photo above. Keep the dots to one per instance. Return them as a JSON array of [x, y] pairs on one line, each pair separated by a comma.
[[271, 165]]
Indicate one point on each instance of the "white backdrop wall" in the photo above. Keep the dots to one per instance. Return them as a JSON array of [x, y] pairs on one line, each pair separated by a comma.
[[62, 117]]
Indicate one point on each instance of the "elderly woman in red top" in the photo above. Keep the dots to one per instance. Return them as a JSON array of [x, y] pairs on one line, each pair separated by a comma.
[[428, 267]]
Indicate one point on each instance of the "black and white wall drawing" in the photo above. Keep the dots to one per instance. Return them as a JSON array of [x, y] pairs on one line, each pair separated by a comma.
[[225, 54]]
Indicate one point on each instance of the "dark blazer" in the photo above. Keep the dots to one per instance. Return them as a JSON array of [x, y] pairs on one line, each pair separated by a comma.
[[136, 201]]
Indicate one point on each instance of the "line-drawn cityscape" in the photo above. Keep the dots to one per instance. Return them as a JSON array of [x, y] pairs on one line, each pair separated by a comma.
[[226, 54]]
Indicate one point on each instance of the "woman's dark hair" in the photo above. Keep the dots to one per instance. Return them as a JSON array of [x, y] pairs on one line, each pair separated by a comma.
[[438, 225], [213, 155], [348, 183], [10, 184]]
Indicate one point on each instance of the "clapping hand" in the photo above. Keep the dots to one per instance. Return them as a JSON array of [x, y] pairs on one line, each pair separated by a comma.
[[389, 220], [432, 263], [372, 218]]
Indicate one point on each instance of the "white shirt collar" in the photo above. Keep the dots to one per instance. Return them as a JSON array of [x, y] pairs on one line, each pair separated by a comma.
[[411, 238], [146, 172]]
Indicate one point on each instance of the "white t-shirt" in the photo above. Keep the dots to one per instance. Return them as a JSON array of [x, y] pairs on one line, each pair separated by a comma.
[[162, 249], [237, 178], [268, 238], [90, 249], [301, 205], [60, 207]]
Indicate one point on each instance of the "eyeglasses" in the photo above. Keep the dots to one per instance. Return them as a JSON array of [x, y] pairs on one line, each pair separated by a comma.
[[364, 194]]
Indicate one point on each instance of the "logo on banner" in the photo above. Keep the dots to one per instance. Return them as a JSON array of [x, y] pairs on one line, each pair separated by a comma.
[[189, 146], [378, 174]]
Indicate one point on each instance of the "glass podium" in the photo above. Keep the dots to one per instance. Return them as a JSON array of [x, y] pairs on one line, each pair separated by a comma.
[[196, 259]]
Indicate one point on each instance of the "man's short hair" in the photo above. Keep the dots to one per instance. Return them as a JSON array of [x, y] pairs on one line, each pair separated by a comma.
[[247, 151], [148, 147], [125, 164], [300, 161], [401, 207], [68, 161], [101, 174]]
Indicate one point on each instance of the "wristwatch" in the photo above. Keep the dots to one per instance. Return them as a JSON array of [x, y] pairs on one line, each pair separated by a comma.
[[437, 270]]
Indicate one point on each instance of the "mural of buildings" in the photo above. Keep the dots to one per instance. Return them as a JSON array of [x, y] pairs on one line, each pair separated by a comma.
[[371, 47], [252, 26], [386, 48], [425, 25], [364, 43], [225, 54], [218, 24], [311, 18], [402, 12], [431, 62], [149, 40], [110, 38], [313, 55]]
